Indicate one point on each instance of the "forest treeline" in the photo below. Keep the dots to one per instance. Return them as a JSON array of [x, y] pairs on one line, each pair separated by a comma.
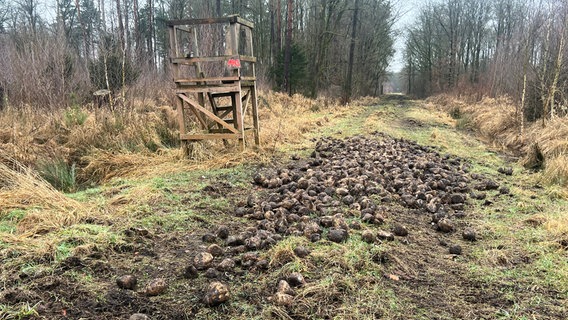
[[493, 48], [58, 53]]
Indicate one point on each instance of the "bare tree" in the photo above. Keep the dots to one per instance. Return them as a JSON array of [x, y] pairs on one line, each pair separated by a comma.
[[349, 80], [288, 49]]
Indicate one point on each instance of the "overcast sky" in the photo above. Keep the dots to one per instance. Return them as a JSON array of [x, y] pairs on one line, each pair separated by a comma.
[[408, 10]]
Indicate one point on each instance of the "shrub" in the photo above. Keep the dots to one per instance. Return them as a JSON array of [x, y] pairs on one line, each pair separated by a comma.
[[74, 116]]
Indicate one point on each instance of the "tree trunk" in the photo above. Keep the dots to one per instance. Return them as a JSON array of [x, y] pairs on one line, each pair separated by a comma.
[[288, 50], [557, 70], [128, 40], [151, 34], [1, 97], [83, 33], [103, 14], [349, 80], [273, 46], [278, 26], [137, 37], [120, 25]]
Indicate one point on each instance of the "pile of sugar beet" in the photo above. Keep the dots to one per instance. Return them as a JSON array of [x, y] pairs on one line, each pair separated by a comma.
[[346, 186]]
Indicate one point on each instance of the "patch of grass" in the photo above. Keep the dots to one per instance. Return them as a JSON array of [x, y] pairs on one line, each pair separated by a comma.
[[9, 221], [464, 123], [23, 311], [64, 250], [83, 238], [81, 277], [32, 269], [90, 194]]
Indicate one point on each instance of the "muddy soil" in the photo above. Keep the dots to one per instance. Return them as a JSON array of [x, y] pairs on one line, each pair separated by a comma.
[[381, 189]]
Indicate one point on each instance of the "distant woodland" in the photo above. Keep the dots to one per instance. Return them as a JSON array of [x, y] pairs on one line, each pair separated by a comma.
[[492, 48], [55, 54], [58, 53]]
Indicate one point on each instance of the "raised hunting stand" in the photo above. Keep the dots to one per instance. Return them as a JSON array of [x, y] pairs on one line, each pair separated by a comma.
[[212, 62]]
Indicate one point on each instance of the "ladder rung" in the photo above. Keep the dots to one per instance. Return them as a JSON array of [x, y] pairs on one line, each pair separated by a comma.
[[224, 108], [222, 94], [219, 131], [226, 130]]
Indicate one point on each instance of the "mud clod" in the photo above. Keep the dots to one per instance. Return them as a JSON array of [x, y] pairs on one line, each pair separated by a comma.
[[337, 235], [445, 225], [190, 272], [282, 299], [296, 279], [284, 287], [508, 171], [469, 234], [301, 252], [455, 249], [223, 232], [399, 230], [127, 282], [385, 235], [226, 265], [368, 236], [215, 250]]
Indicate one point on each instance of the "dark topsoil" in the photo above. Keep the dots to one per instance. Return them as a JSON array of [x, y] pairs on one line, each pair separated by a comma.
[[398, 191]]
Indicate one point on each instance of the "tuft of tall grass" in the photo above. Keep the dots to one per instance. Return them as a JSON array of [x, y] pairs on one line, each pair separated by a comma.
[[556, 170], [23, 188], [60, 174]]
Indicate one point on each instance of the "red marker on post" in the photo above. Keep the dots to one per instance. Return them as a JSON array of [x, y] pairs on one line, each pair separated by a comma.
[[234, 63]]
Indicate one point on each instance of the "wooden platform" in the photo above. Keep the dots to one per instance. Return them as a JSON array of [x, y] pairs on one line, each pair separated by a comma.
[[202, 98]]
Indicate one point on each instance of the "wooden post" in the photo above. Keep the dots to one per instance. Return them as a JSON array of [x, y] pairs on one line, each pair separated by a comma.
[[182, 129], [199, 73], [237, 102], [179, 102], [254, 98], [255, 122]]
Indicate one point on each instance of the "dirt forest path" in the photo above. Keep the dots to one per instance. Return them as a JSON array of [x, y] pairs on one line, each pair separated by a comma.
[[390, 214]]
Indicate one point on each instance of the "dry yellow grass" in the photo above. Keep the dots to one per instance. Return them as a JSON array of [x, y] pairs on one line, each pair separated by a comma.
[[126, 144], [494, 118], [497, 120], [553, 138], [48, 209], [556, 170], [109, 144], [284, 121]]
